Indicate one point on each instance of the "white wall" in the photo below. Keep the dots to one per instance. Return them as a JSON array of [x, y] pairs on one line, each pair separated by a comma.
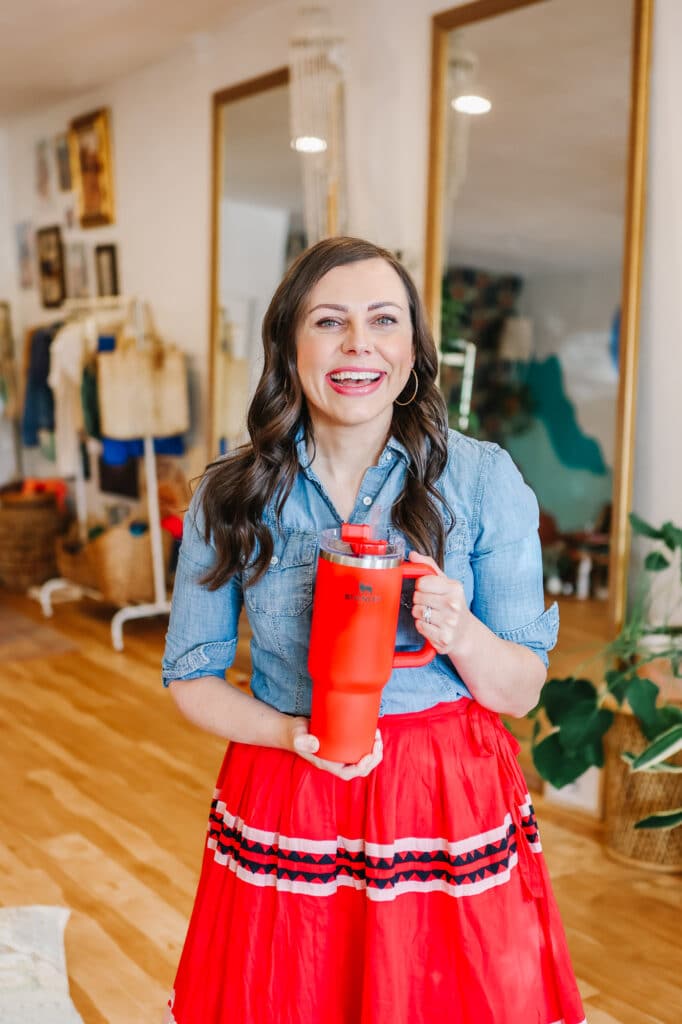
[[161, 119], [161, 123], [658, 459]]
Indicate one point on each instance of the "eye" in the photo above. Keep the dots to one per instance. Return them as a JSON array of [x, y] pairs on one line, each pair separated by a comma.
[[328, 321], [386, 319]]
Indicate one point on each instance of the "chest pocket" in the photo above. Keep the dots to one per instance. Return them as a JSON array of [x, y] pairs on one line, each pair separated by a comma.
[[457, 550], [287, 586]]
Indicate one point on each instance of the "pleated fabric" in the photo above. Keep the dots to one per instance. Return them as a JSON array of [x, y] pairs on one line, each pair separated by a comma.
[[418, 894]]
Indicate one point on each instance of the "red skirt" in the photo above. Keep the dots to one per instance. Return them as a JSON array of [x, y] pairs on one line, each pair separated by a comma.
[[418, 894]]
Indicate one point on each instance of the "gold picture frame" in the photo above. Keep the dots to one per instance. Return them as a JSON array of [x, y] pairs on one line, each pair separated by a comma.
[[50, 252], [92, 170]]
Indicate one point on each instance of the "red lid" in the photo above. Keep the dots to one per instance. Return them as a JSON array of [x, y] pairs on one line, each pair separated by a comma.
[[360, 540]]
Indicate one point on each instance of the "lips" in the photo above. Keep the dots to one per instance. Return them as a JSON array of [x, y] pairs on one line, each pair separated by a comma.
[[355, 381]]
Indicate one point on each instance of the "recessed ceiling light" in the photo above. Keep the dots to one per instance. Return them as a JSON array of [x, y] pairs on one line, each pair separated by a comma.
[[309, 144], [471, 104]]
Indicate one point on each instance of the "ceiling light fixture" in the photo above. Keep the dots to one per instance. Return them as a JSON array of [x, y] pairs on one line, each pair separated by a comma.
[[309, 144], [471, 104]]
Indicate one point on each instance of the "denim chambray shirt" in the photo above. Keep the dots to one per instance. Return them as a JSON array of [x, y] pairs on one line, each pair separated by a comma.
[[493, 549]]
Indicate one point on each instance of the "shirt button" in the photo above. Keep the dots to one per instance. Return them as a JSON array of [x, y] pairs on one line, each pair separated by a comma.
[[274, 560], [367, 500], [388, 456]]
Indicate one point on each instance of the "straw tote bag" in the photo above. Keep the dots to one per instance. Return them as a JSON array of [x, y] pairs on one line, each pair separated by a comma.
[[142, 390]]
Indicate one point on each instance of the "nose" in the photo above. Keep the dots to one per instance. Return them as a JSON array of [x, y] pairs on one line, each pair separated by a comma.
[[357, 339]]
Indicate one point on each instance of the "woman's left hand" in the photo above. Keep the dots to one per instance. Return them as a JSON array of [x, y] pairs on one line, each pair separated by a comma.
[[440, 609]]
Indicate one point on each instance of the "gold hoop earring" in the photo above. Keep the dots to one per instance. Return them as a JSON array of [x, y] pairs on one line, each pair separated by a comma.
[[414, 393]]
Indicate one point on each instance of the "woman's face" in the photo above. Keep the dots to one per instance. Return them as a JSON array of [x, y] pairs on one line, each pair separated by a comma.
[[354, 345]]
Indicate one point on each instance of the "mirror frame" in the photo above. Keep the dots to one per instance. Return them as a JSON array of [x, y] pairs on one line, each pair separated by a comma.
[[633, 240], [249, 87]]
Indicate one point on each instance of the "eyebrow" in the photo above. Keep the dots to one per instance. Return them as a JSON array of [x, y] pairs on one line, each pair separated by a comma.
[[344, 309]]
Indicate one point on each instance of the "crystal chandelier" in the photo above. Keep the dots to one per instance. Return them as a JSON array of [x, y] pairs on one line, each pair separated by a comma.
[[316, 120], [463, 104]]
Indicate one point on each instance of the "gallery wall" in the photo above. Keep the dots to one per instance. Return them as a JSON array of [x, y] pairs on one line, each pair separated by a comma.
[[161, 136]]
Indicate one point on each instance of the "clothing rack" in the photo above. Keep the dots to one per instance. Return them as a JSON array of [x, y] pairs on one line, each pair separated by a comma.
[[67, 589]]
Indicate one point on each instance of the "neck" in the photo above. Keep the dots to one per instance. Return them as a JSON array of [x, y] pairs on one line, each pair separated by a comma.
[[344, 453]]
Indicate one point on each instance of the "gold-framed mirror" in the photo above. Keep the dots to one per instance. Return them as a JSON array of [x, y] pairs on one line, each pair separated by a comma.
[[533, 263], [256, 230]]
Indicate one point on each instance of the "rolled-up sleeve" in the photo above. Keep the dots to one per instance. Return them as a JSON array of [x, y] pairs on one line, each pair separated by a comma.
[[202, 631], [507, 560]]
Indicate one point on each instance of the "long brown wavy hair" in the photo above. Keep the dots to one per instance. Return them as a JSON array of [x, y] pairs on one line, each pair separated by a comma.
[[236, 490]]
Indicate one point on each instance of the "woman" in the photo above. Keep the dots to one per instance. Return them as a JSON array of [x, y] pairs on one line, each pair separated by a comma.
[[410, 887]]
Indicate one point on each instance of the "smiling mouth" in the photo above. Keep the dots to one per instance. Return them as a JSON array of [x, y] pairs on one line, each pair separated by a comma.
[[355, 376]]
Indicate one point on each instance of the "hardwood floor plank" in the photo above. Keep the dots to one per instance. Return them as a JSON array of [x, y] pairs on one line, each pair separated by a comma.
[[116, 985], [106, 807], [120, 837]]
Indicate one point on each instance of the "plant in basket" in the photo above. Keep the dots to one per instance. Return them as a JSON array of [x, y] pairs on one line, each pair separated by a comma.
[[640, 697]]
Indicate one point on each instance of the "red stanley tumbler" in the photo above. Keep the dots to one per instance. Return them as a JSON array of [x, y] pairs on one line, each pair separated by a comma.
[[352, 640]]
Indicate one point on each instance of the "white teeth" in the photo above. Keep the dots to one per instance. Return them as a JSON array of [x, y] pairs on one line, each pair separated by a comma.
[[354, 375]]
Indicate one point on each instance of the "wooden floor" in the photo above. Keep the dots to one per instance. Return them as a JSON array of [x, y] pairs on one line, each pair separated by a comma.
[[106, 793]]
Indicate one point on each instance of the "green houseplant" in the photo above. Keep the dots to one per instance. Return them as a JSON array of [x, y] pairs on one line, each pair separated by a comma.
[[573, 716]]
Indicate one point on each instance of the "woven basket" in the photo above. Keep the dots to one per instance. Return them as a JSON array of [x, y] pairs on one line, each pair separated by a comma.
[[121, 564], [631, 796], [29, 525], [75, 563]]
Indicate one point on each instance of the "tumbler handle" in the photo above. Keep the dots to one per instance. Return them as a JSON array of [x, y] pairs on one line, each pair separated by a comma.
[[426, 653]]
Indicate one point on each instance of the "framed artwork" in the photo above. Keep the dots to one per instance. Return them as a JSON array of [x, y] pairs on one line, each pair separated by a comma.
[[92, 170], [50, 266], [9, 392], [76, 271], [42, 169], [6, 348], [106, 268], [25, 254], [63, 162]]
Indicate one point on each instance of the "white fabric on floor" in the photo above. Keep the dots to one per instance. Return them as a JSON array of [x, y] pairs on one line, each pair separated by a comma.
[[34, 987]]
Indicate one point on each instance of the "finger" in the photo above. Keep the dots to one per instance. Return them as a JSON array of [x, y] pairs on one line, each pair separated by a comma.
[[419, 559], [433, 586], [438, 585], [439, 638], [305, 742], [365, 765], [426, 612], [333, 767]]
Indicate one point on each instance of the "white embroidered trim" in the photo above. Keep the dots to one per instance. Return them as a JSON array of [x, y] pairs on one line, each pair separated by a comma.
[[331, 846]]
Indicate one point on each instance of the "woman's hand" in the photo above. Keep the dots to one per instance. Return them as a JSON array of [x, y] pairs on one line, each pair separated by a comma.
[[500, 674], [305, 744], [440, 610]]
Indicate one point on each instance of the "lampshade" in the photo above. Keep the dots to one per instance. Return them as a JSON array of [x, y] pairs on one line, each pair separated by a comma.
[[516, 339]]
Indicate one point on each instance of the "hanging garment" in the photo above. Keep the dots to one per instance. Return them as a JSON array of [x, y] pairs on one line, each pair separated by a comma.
[[115, 453], [68, 352], [38, 411]]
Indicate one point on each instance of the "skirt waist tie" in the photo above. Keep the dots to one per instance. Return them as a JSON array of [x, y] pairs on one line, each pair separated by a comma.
[[488, 736]]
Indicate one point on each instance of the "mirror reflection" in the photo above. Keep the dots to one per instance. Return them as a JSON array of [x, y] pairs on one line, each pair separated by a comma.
[[533, 212], [259, 229]]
